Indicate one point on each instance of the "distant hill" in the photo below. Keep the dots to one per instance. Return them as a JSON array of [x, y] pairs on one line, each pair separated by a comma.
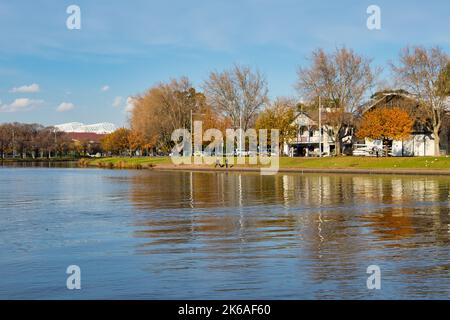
[[78, 127]]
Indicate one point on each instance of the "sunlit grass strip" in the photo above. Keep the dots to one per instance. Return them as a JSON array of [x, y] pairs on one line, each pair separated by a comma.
[[125, 162], [367, 163], [422, 163]]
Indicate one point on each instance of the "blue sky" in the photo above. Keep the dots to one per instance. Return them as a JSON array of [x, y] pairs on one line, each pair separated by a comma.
[[125, 47]]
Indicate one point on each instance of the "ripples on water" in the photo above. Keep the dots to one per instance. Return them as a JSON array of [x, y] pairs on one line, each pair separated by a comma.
[[149, 234]]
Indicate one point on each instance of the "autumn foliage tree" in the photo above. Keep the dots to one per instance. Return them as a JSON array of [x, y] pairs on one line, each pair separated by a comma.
[[385, 124], [117, 142], [167, 107], [279, 115], [137, 142], [164, 108]]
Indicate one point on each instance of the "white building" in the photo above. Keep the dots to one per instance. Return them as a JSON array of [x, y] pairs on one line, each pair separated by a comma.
[[418, 145], [309, 139], [78, 127], [421, 142]]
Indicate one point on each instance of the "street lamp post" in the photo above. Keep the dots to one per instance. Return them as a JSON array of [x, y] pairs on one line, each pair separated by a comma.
[[191, 122], [320, 127], [56, 145], [13, 145]]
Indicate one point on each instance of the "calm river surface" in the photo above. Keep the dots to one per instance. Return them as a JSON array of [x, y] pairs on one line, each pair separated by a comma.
[[184, 235]]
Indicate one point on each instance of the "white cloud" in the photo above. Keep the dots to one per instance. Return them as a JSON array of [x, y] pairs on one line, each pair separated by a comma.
[[105, 88], [21, 104], [32, 88], [117, 102], [130, 104], [65, 106]]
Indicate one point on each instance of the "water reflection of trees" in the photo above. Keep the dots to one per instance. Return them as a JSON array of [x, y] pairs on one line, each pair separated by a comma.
[[386, 204], [335, 221]]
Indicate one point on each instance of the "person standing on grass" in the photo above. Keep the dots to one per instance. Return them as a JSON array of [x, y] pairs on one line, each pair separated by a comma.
[[219, 164]]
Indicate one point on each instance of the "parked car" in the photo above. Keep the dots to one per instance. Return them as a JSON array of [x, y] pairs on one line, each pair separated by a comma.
[[198, 154]]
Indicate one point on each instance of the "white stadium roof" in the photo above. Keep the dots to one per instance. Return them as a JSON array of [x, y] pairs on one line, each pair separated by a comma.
[[99, 128]]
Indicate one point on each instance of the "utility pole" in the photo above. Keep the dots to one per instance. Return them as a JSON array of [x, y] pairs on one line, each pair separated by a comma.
[[240, 132], [192, 134], [56, 145], [320, 127], [13, 145], [192, 140]]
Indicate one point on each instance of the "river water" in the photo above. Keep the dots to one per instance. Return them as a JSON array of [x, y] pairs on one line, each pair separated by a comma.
[[183, 235]]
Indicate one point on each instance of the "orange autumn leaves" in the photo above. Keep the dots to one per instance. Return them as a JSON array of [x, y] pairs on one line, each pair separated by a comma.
[[124, 141], [385, 124]]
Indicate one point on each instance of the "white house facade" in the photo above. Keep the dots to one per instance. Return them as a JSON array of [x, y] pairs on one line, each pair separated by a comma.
[[309, 139]]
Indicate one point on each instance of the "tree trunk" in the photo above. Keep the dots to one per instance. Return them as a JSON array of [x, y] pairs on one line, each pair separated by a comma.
[[437, 151], [337, 144]]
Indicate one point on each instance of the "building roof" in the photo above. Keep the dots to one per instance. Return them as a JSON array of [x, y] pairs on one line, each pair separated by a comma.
[[99, 128], [302, 119], [379, 97], [386, 95]]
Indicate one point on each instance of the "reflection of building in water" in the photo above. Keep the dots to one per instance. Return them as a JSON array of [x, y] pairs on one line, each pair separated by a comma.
[[205, 190], [288, 189], [329, 227], [288, 205], [402, 190]]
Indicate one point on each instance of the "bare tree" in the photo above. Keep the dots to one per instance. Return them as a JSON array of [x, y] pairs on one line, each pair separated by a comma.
[[238, 93], [343, 79], [422, 72], [33, 140]]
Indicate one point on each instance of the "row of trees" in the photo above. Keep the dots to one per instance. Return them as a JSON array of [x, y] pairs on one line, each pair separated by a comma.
[[230, 99], [340, 81], [31, 140], [37, 141]]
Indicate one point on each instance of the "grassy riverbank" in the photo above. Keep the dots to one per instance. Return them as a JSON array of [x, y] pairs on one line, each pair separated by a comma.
[[125, 162], [418, 163]]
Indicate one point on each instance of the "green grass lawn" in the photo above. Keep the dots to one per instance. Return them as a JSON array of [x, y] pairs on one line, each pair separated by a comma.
[[126, 162], [285, 162], [135, 160], [367, 163]]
